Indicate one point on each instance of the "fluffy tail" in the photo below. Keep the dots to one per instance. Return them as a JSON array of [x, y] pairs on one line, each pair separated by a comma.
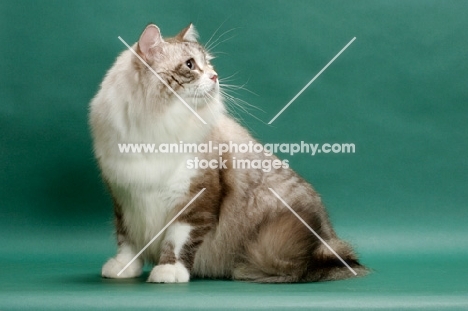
[[285, 251]]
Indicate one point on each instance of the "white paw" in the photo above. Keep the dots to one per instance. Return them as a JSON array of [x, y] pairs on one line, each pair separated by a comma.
[[167, 273], [114, 265]]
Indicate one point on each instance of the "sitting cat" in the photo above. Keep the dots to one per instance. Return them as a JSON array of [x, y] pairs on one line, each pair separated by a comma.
[[237, 228]]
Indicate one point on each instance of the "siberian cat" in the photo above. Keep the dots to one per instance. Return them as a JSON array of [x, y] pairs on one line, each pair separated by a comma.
[[237, 228]]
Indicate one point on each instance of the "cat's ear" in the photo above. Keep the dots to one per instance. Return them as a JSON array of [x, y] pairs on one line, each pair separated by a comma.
[[189, 34], [149, 39]]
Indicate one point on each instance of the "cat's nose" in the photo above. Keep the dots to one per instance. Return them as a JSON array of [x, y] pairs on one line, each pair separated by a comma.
[[214, 77]]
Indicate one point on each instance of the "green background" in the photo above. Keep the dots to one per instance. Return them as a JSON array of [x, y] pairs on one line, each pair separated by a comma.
[[399, 93]]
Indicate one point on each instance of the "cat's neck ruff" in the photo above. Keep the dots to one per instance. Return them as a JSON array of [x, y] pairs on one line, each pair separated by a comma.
[[145, 114], [127, 110]]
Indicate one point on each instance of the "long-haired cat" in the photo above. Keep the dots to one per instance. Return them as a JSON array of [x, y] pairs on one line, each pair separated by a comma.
[[237, 228]]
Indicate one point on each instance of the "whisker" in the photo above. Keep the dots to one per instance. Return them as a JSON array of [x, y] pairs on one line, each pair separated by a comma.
[[232, 102], [210, 46], [207, 103], [216, 31], [232, 111], [228, 77], [223, 41], [214, 54], [235, 88], [241, 103]]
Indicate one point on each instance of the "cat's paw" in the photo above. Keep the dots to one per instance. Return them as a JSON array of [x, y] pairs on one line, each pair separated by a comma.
[[176, 273], [113, 266]]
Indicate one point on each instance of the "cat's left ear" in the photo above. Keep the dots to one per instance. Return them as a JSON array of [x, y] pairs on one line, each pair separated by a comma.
[[149, 39], [189, 34]]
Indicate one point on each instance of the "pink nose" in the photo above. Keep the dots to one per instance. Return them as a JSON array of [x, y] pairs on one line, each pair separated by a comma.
[[214, 77]]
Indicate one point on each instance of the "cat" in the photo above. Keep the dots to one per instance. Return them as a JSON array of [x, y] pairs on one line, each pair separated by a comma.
[[237, 228]]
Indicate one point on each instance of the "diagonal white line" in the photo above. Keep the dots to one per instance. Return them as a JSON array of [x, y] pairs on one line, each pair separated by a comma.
[[162, 230], [312, 230], [161, 79], [311, 81]]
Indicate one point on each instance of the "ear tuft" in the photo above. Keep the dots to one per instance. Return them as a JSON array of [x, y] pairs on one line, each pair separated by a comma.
[[150, 38], [189, 34]]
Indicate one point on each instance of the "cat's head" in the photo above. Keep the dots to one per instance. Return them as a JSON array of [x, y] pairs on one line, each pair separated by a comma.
[[181, 62]]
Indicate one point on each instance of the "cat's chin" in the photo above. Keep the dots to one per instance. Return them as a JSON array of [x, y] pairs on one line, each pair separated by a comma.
[[213, 93], [203, 99]]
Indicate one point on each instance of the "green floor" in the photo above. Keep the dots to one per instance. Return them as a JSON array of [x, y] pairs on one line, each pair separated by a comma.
[[61, 272]]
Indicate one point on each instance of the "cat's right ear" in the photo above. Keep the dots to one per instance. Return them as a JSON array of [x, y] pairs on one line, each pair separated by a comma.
[[149, 39]]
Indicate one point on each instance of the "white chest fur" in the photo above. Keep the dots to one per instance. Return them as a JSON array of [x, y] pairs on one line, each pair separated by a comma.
[[156, 186], [147, 186]]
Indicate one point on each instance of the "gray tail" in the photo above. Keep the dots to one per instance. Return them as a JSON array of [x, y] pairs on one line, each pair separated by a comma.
[[285, 251]]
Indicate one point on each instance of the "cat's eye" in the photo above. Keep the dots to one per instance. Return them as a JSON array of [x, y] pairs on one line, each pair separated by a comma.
[[190, 64]]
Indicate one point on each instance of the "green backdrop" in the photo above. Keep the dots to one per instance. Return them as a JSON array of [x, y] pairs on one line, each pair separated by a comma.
[[399, 93]]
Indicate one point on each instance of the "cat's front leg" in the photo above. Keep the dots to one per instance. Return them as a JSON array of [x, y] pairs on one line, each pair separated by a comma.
[[126, 252], [177, 254]]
